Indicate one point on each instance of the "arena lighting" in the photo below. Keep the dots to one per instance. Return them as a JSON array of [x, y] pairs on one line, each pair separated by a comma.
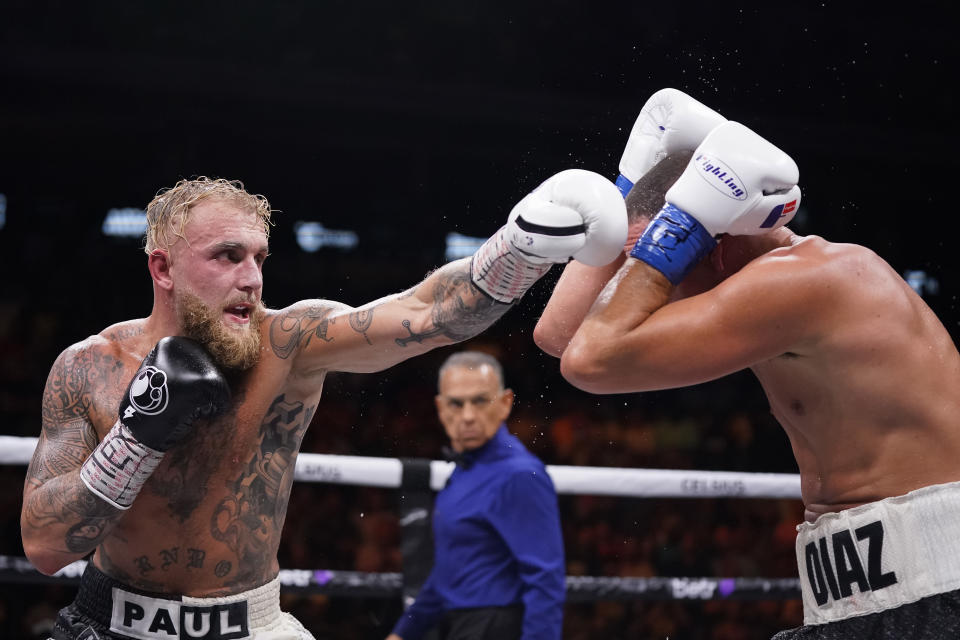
[[128, 222], [3, 211], [461, 246], [920, 282], [311, 236]]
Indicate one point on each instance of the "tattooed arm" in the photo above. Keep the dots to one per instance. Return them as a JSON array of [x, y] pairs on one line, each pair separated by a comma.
[[62, 520], [443, 309]]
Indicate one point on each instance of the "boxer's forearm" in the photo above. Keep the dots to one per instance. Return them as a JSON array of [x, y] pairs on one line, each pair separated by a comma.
[[63, 521], [456, 307], [572, 297], [602, 349]]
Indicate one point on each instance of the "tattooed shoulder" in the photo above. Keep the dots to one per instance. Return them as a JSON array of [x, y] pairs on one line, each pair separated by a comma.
[[82, 380], [77, 385], [124, 331], [294, 327]]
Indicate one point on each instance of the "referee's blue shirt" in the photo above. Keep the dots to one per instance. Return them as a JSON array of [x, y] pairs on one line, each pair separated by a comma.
[[497, 542]]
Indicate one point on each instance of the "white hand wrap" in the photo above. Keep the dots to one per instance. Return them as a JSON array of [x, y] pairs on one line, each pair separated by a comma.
[[501, 273], [119, 467]]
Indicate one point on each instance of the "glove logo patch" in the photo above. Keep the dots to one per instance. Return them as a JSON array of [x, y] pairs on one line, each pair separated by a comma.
[[720, 177], [148, 392], [779, 211]]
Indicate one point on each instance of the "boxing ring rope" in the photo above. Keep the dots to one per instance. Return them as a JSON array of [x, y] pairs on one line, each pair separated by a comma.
[[394, 473]]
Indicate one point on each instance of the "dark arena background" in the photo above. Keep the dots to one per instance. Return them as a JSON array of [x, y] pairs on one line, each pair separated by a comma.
[[377, 129]]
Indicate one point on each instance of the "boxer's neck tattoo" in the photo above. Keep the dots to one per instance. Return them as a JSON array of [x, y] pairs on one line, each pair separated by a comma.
[[125, 334]]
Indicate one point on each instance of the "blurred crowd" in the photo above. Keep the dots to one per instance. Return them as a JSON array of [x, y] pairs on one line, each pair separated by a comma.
[[719, 426]]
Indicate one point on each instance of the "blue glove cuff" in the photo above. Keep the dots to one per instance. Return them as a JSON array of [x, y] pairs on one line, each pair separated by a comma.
[[624, 185], [673, 243]]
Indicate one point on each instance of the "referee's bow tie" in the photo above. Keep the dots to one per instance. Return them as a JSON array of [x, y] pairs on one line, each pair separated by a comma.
[[461, 459]]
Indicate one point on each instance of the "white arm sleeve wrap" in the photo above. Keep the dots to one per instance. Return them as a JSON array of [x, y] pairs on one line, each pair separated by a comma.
[[502, 274], [119, 467]]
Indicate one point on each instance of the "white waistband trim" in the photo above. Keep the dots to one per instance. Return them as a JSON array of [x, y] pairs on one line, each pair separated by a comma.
[[880, 555], [233, 617]]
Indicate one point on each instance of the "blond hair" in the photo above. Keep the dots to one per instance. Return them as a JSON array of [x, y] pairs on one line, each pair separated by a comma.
[[168, 212]]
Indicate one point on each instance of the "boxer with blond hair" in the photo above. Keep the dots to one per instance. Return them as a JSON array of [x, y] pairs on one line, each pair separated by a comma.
[[168, 443]]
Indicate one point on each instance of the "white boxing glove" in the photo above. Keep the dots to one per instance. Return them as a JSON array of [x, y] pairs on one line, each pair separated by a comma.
[[669, 121], [736, 183], [574, 214]]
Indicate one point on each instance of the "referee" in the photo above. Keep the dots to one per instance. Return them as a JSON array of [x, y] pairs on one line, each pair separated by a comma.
[[499, 570]]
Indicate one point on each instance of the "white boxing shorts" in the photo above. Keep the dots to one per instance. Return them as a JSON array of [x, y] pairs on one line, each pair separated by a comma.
[[887, 569]]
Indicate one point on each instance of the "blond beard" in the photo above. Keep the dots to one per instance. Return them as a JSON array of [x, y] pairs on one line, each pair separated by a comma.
[[237, 350]]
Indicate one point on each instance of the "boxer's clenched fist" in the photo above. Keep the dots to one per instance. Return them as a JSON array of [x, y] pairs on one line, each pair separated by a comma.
[[736, 183], [574, 214], [177, 384], [669, 121]]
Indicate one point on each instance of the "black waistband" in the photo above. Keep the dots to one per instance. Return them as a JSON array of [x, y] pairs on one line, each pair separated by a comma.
[[95, 597], [144, 614]]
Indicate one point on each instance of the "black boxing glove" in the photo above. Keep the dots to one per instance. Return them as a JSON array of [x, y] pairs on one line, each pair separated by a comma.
[[177, 384]]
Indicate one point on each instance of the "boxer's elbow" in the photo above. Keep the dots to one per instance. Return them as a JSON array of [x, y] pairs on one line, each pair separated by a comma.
[[549, 339], [43, 559], [588, 366]]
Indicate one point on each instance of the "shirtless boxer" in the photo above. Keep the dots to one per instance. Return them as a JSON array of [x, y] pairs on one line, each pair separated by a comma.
[[857, 369], [168, 443]]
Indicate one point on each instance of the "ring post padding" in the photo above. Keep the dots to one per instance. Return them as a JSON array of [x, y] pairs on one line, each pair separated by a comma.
[[416, 539]]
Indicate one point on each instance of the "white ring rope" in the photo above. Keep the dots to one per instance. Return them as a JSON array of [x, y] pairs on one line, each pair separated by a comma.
[[600, 481], [611, 481]]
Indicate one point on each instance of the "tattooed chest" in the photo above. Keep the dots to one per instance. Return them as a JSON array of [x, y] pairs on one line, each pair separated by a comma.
[[259, 488], [223, 493], [238, 472], [195, 468]]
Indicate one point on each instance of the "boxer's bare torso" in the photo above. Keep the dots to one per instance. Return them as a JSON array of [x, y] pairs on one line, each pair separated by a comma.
[[208, 520], [868, 395], [857, 368]]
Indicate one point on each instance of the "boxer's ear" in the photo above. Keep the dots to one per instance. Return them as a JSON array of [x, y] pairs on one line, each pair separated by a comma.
[[158, 262]]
